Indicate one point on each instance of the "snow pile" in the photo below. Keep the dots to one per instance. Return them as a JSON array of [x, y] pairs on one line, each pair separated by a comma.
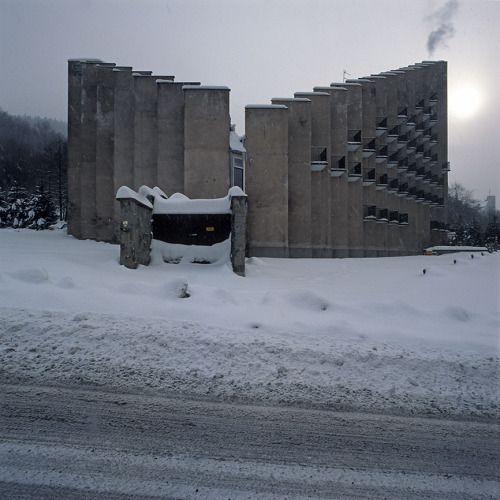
[[370, 334]]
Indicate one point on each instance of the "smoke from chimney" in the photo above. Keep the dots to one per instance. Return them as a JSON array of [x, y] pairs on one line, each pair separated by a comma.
[[445, 29]]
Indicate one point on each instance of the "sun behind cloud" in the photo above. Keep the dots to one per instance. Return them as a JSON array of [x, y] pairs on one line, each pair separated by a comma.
[[465, 101]]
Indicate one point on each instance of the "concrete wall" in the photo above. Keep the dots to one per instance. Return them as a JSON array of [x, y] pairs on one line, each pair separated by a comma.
[[299, 175], [206, 141], [310, 157], [266, 128]]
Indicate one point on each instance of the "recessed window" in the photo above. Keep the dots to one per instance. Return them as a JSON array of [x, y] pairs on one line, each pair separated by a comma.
[[239, 172]]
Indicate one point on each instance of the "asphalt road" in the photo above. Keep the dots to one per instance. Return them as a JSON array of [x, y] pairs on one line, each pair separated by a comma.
[[83, 443]]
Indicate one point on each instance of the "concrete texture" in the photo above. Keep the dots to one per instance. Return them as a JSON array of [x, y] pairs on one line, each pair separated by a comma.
[[359, 168]]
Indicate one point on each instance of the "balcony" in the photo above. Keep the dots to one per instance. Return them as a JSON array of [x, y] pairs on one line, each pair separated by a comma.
[[403, 219], [445, 167], [319, 153], [412, 193], [355, 172], [412, 170], [369, 213], [427, 177], [403, 190], [383, 216], [393, 187], [420, 196], [402, 165], [382, 183], [369, 177], [354, 136], [393, 218], [393, 160], [427, 199], [420, 173], [338, 166]]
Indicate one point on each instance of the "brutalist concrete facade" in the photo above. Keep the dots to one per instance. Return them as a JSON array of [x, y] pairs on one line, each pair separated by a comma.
[[353, 169], [378, 176]]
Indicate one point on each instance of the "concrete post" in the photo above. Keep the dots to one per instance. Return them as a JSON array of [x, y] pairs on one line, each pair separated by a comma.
[[238, 233], [135, 232]]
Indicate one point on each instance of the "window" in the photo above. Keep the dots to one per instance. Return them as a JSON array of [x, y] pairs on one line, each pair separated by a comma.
[[239, 172]]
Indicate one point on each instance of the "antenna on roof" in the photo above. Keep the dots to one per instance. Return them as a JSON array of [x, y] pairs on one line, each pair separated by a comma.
[[344, 74]]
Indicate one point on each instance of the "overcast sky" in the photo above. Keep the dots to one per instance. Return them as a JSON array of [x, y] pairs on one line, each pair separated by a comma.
[[263, 49]]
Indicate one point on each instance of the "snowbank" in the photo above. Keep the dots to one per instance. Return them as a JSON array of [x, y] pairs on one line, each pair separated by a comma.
[[369, 334]]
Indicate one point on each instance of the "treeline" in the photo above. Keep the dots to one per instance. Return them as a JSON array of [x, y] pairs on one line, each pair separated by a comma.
[[473, 223], [33, 172]]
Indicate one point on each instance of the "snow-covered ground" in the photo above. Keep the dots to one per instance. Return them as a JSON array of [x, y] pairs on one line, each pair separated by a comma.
[[366, 334]]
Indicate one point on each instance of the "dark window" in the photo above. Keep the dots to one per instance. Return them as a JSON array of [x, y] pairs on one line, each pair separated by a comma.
[[238, 173]]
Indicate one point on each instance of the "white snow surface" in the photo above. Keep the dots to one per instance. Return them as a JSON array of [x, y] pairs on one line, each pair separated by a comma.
[[363, 334]]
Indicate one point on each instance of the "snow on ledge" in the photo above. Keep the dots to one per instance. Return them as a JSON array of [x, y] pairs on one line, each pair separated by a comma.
[[125, 193]]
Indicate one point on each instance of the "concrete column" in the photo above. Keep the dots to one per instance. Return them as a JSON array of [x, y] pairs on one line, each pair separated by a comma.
[[299, 175], [338, 172], [74, 146], [354, 167], [88, 138], [145, 130], [368, 137], [266, 128], [206, 141], [123, 148], [105, 193], [170, 173], [238, 233]]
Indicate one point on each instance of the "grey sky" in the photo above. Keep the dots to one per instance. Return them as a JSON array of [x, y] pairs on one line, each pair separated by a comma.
[[263, 49]]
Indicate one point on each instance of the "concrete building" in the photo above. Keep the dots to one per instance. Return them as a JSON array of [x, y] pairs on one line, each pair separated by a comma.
[[353, 169]]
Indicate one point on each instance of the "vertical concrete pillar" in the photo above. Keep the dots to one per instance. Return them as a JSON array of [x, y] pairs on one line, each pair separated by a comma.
[[123, 146], [105, 193], [266, 128], [170, 173], [206, 141], [145, 130], [299, 175], [74, 145], [368, 137], [321, 142], [238, 233], [338, 172], [88, 138], [354, 166]]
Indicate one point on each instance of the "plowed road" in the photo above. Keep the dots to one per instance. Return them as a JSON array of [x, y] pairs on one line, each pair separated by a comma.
[[72, 443]]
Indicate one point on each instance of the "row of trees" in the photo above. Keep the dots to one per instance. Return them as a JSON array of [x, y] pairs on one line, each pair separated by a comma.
[[472, 223], [33, 175]]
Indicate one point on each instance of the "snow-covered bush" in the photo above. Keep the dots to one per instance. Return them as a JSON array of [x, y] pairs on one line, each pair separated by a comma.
[[18, 209]]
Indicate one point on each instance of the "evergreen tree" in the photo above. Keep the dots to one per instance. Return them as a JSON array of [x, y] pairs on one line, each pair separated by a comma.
[[40, 210]]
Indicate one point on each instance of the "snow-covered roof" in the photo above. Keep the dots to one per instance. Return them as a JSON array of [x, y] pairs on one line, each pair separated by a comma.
[[125, 193], [329, 88], [290, 99], [181, 204], [204, 87], [235, 142], [313, 93], [265, 106]]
